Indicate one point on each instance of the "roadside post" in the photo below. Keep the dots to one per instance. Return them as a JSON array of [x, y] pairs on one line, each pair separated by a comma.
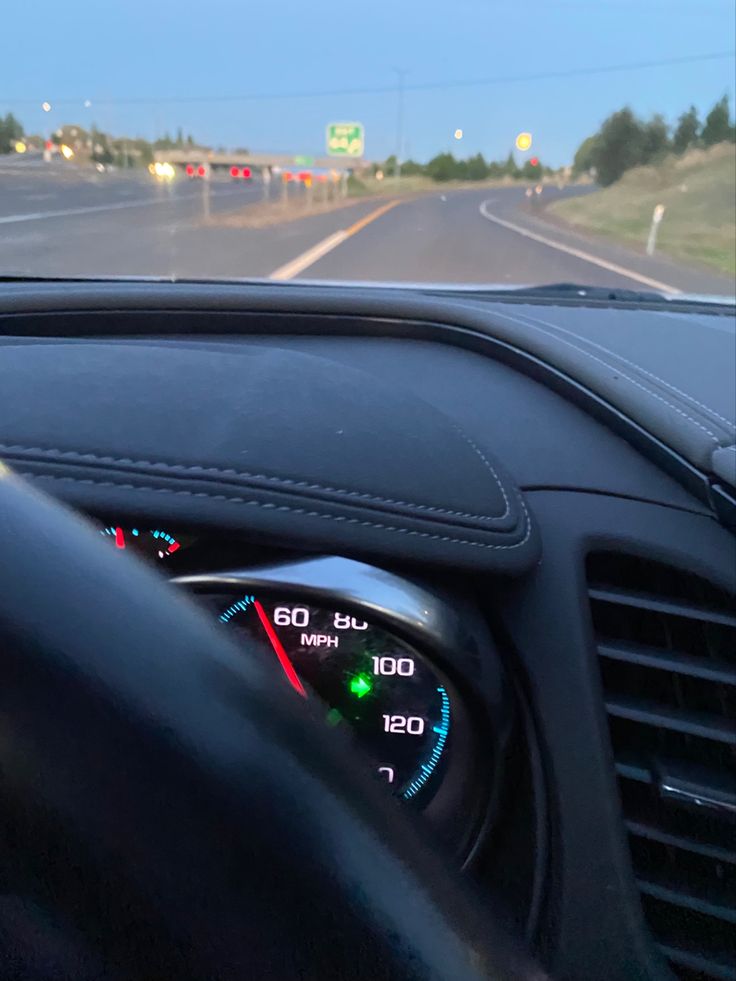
[[204, 172], [266, 181], [657, 216], [305, 178]]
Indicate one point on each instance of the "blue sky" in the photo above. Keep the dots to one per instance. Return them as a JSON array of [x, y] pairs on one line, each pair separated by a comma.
[[112, 51]]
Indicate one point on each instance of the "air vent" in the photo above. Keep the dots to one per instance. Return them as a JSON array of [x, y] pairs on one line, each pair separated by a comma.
[[667, 650]]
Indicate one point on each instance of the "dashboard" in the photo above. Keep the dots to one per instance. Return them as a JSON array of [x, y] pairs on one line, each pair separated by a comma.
[[489, 544]]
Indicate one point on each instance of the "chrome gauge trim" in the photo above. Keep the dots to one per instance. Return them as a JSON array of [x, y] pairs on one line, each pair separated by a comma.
[[409, 609], [442, 628]]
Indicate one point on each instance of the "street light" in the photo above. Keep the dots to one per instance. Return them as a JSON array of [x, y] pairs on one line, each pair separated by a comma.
[[46, 106], [524, 142], [458, 134]]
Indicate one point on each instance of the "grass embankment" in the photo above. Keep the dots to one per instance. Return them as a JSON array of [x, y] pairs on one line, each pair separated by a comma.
[[698, 191]]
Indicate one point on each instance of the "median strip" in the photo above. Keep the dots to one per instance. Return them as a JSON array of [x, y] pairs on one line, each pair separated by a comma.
[[291, 269]]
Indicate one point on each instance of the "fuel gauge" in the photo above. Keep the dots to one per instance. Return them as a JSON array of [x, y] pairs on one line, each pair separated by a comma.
[[152, 543]]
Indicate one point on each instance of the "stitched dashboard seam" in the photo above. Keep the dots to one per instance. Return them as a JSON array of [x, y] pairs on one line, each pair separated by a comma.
[[474, 446], [533, 321], [610, 367], [292, 510], [54, 453]]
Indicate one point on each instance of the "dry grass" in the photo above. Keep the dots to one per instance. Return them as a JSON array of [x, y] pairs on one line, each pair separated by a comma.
[[698, 191], [267, 213]]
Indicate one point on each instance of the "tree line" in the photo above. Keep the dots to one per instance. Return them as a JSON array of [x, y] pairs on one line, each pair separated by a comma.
[[103, 148], [447, 167], [625, 141], [11, 130]]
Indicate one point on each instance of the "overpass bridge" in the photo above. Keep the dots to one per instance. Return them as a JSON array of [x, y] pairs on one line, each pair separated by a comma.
[[196, 156]]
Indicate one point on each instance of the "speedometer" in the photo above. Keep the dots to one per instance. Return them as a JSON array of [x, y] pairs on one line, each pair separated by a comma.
[[391, 697]]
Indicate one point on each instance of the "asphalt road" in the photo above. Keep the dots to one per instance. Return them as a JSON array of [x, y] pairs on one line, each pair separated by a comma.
[[57, 221]]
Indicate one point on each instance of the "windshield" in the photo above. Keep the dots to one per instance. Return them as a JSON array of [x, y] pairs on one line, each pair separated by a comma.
[[476, 143]]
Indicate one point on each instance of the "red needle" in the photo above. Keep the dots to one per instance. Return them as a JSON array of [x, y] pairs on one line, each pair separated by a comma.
[[120, 538], [280, 652]]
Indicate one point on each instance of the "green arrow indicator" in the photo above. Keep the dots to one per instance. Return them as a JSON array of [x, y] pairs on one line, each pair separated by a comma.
[[360, 685]]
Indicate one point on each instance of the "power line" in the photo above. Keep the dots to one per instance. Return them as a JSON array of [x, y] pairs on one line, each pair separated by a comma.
[[383, 89]]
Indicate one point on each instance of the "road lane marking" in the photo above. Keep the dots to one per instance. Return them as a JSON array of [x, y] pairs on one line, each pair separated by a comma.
[[112, 206], [578, 253], [362, 222], [291, 269]]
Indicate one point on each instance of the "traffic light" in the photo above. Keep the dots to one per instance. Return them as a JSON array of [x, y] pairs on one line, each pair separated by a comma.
[[534, 161]]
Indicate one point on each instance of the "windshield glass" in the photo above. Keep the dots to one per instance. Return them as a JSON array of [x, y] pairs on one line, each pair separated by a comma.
[[480, 142]]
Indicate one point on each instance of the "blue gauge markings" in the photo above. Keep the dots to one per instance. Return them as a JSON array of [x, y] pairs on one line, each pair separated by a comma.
[[240, 607], [428, 768]]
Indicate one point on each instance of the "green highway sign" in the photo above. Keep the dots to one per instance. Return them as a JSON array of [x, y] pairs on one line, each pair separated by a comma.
[[302, 161], [345, 139]]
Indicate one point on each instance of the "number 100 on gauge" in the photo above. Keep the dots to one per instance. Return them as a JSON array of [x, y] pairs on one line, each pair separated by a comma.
[[369, 680]]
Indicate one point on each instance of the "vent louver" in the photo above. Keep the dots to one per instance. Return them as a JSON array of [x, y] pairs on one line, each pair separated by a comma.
[[666, 642]]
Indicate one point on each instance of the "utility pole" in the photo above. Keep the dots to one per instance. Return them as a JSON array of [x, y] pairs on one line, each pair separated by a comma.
[[400, 76]]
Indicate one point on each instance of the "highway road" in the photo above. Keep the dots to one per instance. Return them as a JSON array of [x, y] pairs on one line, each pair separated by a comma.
[[57, 221]]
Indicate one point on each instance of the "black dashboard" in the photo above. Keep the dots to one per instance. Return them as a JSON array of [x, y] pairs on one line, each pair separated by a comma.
[[510, 581]]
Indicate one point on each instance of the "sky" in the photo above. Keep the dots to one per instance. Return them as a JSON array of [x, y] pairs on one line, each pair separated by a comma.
[[192, 63]]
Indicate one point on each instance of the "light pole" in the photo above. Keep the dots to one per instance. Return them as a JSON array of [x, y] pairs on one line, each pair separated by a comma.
[[46, 106], [400, 75]]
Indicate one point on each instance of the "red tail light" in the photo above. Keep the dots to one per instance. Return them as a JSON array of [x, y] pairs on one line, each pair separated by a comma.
[[201, 171], [246, 172], [190, 170], [234, 171]]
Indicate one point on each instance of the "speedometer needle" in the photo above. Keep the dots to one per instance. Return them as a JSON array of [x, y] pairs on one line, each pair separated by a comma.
[[279, 649]]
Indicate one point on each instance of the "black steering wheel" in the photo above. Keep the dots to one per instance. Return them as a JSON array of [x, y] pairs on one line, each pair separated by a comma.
[[168, 812]]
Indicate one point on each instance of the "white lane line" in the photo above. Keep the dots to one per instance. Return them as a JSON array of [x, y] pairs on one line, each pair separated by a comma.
[[291, 269], [308, 258], [578, 253], [97, 208]]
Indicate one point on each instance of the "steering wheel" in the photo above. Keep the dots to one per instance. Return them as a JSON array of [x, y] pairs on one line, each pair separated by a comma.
[[169, 812]]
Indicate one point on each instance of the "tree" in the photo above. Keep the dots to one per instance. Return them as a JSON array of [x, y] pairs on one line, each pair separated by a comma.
[[584, 159], [179, 137], [655, 139], [510, 168], [620, 145], [389, 166], [101, 152], [443, 167], [10, 132], [718, 128], [411, 168], [477, 168], [687, 131]]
